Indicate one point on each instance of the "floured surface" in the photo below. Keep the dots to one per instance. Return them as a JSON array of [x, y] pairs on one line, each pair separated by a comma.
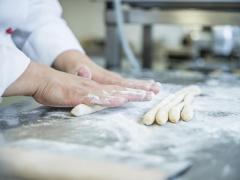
[[118, 134]]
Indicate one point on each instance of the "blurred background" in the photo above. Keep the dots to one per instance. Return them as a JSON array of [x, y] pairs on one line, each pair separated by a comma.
[[201, 46]]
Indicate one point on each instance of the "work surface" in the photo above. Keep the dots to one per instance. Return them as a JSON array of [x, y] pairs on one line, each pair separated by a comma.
[[209, 144]]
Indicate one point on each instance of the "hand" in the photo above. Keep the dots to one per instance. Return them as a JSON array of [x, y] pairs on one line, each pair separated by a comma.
[[55, 88], [77, 63]]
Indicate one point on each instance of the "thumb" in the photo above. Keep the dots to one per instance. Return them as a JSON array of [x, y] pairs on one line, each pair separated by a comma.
[[85, 72]]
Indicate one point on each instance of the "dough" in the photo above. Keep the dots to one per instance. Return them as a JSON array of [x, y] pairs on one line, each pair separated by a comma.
[[187, 112], [174, 114], [182, 110], [150, 116], [83, 109], [162, 113]]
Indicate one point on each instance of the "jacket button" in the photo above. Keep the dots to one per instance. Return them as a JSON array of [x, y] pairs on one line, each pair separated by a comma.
[[9, 30]]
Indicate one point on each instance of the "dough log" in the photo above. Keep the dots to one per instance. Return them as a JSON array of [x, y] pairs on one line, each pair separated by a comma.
[[160, 111], [162, 115], [150, 116], [83, 109], [184, 110], [174, 114], [187, 112]]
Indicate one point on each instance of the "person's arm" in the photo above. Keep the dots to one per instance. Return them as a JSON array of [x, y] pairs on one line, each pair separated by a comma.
[[55, 88], [21, 77], [13, 63], [46, 38]]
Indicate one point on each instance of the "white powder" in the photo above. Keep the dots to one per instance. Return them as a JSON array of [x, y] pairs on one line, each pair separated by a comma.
[[119, 130], [93, 98], [216, 118]]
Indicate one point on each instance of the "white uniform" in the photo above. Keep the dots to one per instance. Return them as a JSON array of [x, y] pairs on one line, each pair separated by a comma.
[[31, 29]]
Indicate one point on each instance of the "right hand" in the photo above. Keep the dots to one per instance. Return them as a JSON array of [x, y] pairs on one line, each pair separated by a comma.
[[54, 88]]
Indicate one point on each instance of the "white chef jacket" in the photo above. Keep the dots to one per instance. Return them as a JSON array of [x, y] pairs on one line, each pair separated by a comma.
[[31, 29]]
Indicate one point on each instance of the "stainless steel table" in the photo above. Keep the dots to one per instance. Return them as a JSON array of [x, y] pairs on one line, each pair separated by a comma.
[[205, 148]]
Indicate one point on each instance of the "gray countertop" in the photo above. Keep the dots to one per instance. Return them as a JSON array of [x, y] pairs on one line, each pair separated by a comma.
[[209, 144]]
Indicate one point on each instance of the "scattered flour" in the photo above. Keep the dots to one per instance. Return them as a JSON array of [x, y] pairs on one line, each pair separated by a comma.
[[117, 133], [119, 130]]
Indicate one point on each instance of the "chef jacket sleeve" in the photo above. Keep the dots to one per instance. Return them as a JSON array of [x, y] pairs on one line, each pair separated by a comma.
[[12, 62], [44, 35]]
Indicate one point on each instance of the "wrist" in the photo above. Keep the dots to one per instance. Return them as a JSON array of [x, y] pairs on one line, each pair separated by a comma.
[[28, 83]]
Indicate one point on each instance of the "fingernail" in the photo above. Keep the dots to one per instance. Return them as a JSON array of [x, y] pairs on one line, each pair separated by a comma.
[[85, 72]]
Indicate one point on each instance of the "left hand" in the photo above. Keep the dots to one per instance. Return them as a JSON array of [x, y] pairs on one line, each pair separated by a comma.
[[75, 62]]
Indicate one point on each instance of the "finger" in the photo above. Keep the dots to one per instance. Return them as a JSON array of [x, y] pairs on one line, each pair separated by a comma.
[[85, 72], [137, 84], [130, 93], [137, 94], [156, 87], [104, 100], [147, 85]]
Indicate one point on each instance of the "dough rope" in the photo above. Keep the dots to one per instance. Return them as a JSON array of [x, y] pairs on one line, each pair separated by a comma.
[[173, 108], [174, 114], [160, 112], [183, 110], [83, 109]]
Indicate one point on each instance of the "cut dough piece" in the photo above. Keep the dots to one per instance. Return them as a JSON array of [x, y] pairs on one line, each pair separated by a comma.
[[162, 113], [187, 112], [83, 109], [150, 116], [184, 110], [174, 114]]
